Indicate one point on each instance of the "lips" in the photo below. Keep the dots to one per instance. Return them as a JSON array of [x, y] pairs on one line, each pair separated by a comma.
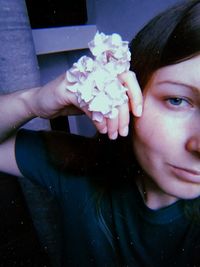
[[187, 175]]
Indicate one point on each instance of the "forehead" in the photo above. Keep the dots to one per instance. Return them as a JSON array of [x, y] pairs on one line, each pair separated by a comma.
[[186, 72]]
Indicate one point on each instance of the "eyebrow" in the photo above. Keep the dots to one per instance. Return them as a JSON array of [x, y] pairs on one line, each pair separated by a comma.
[[188, 86]]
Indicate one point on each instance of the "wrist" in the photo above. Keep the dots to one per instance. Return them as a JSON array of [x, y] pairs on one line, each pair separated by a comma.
[[29, 102]]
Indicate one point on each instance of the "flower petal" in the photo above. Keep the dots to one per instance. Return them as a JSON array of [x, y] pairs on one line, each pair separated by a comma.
[[95, 81]]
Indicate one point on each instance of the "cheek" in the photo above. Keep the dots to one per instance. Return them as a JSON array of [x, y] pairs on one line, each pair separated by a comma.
[[151, 143], [154, 134], [147, 132]]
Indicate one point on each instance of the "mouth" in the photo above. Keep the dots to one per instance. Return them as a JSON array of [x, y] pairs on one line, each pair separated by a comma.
[[187, 175]]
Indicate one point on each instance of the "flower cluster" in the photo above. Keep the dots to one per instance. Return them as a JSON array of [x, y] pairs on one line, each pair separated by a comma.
[[95, 80]]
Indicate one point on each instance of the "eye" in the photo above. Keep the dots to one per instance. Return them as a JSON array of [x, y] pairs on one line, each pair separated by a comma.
[[178, 101]]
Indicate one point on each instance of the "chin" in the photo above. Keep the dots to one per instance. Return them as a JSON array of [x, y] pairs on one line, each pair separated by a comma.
[[187, 194]]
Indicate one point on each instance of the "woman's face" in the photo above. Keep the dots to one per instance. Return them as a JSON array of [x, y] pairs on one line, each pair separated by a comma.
[[166, 138]]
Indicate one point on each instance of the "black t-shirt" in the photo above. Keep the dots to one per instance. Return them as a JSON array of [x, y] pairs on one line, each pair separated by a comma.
[[109, 226]]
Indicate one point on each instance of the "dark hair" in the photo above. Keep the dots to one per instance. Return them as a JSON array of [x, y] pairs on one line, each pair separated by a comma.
[[169, 38]]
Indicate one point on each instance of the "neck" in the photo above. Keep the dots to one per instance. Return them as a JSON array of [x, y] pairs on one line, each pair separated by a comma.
[[153, 196]]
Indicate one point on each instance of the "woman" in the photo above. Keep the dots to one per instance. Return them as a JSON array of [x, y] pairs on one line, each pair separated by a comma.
[[132, 201]]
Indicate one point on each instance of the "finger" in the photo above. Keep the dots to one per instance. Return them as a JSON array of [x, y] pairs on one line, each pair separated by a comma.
[[100, 125], [112, 126], [134, 92], [123, 119]]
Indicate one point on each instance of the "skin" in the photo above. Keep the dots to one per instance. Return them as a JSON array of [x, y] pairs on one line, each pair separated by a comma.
[[50, 101], [167, 137]]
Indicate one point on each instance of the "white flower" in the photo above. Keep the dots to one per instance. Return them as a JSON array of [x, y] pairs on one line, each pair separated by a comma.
[[95, 81], [80, 70]]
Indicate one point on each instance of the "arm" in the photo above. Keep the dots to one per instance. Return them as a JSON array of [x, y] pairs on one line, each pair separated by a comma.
[[19, 107], [50, 101], [14, 112]]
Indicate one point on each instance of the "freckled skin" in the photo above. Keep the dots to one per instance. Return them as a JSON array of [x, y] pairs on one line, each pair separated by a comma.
[[163, 134]]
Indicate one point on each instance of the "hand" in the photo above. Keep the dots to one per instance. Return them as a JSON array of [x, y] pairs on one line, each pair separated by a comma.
[[54, 100], [120, 124]]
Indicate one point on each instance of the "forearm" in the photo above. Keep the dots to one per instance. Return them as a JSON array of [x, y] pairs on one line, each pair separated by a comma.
[[15, 111]]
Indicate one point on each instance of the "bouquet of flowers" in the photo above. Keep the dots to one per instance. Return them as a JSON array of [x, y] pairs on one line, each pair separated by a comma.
[[95, 81]]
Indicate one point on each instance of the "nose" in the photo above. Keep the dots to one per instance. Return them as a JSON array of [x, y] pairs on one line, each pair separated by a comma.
[[193, 145]]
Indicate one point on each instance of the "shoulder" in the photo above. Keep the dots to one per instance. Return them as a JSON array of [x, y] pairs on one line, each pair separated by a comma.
[[94, 155]]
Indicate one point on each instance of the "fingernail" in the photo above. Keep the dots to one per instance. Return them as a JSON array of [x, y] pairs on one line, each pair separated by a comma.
[[124, 131], [138, 111], [113, 136]]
